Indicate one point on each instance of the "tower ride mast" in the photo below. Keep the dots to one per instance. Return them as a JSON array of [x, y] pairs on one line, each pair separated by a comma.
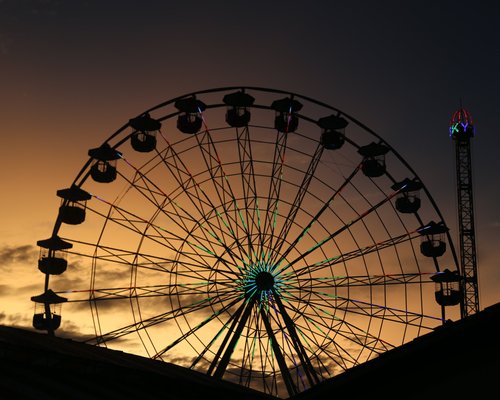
[[462, 131]]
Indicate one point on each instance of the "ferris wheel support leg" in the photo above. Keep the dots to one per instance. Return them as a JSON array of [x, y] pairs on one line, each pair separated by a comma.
[[312, 376], [226, 339], [287, 378], [221, 368]]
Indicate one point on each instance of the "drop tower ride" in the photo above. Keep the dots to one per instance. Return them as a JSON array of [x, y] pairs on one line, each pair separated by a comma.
[[462, 131]]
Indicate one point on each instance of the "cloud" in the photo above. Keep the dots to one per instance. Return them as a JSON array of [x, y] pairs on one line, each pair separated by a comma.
[[10, 255], [29, 290], [16, 320], [5, 290], [70, 330], [184, 361], [116, 305]]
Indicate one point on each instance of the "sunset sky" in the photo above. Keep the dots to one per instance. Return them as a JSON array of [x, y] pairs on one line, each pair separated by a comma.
[[73, 72]]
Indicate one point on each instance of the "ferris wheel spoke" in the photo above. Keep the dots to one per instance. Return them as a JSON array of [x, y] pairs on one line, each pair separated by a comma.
[[208, 237], [339, 231], [249, 189], [316, 217], [273, 197], [232, 320], [222, 187], [171, 240], [121, 256], [193, 306], [125, 219], [361, 338], [299, 197], [326, 318], [316, 331], [341, 281], [178, 169], [138, 225], [196, 328], [178, 219], [370, 309], [340, 352], [203, 261], [361, 252], [194, 191], [127, 292], [320, 322], [387, 313], [116, 256]]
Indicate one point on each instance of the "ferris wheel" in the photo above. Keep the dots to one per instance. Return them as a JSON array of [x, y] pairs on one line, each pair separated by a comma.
[[256, 235]]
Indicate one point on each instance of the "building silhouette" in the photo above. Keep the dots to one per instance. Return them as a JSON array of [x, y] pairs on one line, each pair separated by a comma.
[[438, 365]]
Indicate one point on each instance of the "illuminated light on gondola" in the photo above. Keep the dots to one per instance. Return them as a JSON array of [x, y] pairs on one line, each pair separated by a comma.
[[286, 119], [190, 119], [408, 200], [433, 244]]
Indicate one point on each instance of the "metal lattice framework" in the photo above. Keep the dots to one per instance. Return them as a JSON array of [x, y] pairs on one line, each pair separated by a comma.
[[256, 235], [462, 131]]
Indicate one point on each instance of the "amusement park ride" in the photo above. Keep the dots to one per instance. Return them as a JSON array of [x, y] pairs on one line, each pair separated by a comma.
[[462, 131], [280, 252]]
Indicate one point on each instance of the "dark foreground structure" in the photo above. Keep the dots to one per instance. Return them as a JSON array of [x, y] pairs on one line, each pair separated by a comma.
[[460, 360], [38, 366]]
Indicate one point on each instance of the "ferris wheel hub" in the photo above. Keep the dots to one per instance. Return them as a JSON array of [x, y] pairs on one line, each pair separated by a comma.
[[264, 281]]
